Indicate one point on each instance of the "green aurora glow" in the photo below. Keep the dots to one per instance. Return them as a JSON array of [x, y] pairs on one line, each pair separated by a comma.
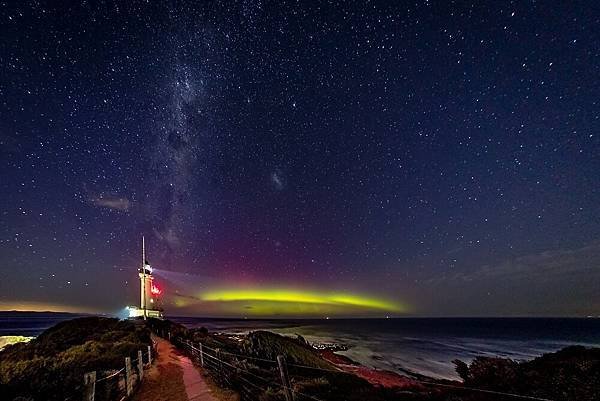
[[293, 302]]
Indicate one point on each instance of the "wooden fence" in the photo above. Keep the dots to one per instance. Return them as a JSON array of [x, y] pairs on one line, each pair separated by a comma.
[[120, 384]]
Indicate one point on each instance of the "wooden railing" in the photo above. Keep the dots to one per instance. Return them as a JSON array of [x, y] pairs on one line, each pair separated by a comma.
[[119, 384]]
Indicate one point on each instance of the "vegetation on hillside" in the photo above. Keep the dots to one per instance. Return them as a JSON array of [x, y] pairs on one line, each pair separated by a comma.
[[572, 373], [51, 366], [267, 345]]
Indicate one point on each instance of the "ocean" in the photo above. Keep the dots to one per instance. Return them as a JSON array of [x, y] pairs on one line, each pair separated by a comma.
[[425, 346], [30, 324]]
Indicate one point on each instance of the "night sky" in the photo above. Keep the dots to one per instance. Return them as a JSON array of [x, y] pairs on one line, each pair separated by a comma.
[[436, 158]]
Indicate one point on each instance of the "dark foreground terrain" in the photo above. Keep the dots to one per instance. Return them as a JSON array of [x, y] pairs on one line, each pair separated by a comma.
[[51, 367]]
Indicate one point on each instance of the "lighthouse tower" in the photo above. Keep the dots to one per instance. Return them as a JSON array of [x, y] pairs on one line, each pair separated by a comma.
[[149, 292]]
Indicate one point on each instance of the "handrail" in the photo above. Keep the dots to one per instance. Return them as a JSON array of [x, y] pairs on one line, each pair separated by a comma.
[[111, 375]]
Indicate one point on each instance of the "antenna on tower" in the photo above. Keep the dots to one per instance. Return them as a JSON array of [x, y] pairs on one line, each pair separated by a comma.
[[144, 276]]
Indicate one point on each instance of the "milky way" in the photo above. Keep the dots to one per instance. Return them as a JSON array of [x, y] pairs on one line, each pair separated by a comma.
[[439, 156]]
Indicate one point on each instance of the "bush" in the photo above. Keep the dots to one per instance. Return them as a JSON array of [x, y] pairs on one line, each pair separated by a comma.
[[264, 344], [51, 366], [570, 374]]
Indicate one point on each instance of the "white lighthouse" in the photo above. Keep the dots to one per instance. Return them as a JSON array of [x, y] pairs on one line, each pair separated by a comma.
[[149, 292]]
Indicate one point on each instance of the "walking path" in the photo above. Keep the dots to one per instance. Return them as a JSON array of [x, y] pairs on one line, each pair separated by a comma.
[[173, 377]]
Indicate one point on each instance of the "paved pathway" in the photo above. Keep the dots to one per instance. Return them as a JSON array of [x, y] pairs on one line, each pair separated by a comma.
[[173, 377]]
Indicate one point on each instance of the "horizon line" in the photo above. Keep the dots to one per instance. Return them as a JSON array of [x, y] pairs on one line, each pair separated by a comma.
[[326, 317]]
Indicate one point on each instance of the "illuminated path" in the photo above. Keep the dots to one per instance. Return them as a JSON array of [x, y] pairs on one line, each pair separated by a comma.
[[173, 377]]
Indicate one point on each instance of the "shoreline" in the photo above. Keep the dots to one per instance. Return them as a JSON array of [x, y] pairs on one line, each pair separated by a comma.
[[384, 378], [377, 377]]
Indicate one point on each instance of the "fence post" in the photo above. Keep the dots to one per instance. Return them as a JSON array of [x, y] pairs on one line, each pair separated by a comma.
[[201, 354], [128, 377], [140, 365], [285, 378], [89, 383], [149, 355], [219, 364]]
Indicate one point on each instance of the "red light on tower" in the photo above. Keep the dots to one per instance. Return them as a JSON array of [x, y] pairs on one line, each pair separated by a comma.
[[155, 290]]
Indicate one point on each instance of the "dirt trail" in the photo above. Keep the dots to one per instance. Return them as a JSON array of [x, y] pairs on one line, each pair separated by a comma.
[[173, 377]]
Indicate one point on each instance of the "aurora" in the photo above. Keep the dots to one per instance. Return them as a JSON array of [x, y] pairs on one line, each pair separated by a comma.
[[265, 300]]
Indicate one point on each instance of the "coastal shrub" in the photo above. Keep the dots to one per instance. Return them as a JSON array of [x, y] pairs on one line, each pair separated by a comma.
[[264, 344], [271, 394], [572, 373], [51, 366]]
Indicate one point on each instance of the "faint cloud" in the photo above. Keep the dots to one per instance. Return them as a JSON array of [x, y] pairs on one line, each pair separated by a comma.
[[544, 266], [111, 202]]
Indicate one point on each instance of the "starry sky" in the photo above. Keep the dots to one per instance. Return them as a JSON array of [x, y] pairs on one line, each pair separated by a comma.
[[429, 158]]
